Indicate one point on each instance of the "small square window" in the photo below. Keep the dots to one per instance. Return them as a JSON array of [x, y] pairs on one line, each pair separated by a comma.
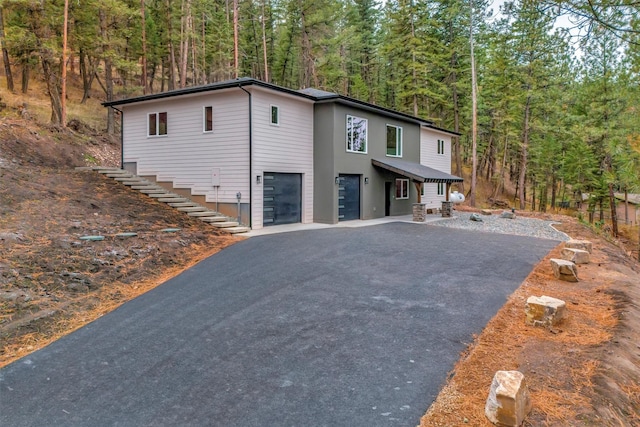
[[208, 119], [157, 124], [275, 115], [402, 188]]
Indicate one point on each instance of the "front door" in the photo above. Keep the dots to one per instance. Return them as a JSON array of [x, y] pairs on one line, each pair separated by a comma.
[[349, 197], [387, 198]]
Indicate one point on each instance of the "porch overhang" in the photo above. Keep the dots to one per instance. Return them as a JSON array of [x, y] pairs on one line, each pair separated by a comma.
[[415, 171]]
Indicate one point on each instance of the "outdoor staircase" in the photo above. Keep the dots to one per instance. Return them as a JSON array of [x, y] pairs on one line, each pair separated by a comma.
[[176, 201]]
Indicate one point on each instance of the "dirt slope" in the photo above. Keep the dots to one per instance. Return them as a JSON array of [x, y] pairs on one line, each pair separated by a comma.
[[51, 282]]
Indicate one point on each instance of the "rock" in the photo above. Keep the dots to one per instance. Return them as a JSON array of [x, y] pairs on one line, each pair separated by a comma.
[[509, 401], [577, 256], [585, 245], [508, 215], [544, 311], [564, 270], [486, 212], [475, 217]]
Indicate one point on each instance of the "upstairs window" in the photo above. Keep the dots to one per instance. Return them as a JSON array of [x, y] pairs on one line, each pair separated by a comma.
[[402, 188], [394, 141], [440, 146], [157, 124], [356, 135], [275, 115], [208, 119]]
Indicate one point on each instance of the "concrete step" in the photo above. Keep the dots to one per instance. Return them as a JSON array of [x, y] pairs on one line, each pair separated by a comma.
[[213, 218], [186, 204], [134, 181], [236, 230], [121, 178], [203, 213], [172, 200], [162, 195], [225, 224], [153, 191], [113, 171], [188, 209], [146, 187]]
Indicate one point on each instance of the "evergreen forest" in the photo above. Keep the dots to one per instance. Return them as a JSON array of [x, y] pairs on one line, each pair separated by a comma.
[[545, 94]]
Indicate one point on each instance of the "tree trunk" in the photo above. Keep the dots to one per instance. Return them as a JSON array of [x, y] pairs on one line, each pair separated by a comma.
[[525, 149], [171, 79], [236, 64], [5, 55], [143, 27], [26, 71], [52, 86], [474, 112], [264, 45], [614, 213], [108, 72], [63, 65]]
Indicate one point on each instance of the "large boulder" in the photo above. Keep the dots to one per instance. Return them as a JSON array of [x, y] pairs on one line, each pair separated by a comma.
[[475, 217], [585, 245], [564, 270], [577, 256], [509, 401], [544, 311], [508, 215], [486, 212]]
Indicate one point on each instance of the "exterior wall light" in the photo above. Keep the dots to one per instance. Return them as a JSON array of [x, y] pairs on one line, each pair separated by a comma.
[[366, 179], [337, 180], [258, 179]]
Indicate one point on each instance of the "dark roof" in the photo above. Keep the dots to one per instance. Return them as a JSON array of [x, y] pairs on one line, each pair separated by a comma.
[[415, 171], [243, 81], [316, 95]]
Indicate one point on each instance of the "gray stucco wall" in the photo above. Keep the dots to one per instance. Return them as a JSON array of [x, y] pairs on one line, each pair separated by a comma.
[[332, 159]]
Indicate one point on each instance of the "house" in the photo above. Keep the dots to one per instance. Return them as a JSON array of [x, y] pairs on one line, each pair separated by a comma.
[[273, 155]]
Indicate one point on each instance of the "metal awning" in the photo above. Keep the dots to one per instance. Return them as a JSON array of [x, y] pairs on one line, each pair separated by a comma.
[[415, 171]]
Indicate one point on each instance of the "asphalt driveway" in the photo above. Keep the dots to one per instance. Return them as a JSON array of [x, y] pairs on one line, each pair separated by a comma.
[[334, 327]]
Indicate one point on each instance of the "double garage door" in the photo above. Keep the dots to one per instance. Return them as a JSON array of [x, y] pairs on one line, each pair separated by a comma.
[[282, 199]]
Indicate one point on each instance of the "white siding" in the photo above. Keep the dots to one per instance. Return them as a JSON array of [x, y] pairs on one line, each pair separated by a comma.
[[186, 155], [286, 148], [429, 157]]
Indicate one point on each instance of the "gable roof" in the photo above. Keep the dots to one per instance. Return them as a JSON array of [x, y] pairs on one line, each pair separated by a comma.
[[315, 95]]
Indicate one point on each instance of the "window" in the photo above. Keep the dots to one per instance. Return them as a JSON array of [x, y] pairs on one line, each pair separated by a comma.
[[208, 119], [394, 141], [440, 146], [402, 188], [356, 135], [157, 124], [275, 115], [441, 189]]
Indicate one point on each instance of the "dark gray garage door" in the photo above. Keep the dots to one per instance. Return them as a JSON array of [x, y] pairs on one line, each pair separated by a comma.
[[282, 198], [349, 197]]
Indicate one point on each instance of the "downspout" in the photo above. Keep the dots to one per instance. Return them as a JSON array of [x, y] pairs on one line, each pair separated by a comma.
[[250, 158], [121, 136]]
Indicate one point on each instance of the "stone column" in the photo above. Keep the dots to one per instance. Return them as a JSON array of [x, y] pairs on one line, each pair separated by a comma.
[[447, 209], [419, 212]]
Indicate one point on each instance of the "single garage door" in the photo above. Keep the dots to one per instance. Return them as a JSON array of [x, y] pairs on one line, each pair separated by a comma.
[[282, 200], [349, 197]]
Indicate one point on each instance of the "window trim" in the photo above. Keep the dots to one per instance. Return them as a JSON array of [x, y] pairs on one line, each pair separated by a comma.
[[204, 119], [403, 186], [441, 147], [157, 114], [271, 110], [399, 138], [366, 135]]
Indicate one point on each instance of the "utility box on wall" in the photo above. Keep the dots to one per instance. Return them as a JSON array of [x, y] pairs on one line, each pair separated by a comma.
[[215, 177]]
